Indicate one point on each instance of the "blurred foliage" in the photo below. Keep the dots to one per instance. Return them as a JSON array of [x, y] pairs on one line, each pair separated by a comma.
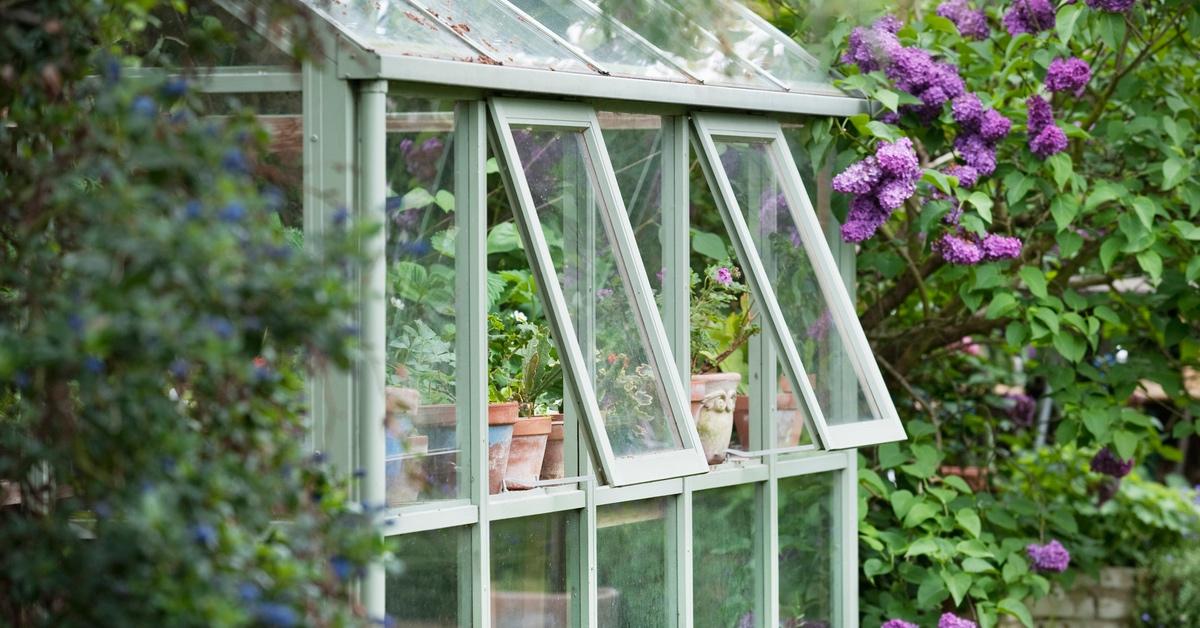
[[158, 320], [1169, 594]]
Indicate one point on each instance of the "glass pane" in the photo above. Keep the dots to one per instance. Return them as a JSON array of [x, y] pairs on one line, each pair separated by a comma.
[[171, 37], [634, 143], [808, 547], [759, 193], [632, 561], [754, 40], [600, 37], [422, 592], [690, 46], [529, 572], [503, 36], [723, 557], [422, 446], [628, 385], [395, 27]]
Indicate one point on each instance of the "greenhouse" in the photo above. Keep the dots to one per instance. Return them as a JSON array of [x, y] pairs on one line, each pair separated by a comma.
[[547, 170]]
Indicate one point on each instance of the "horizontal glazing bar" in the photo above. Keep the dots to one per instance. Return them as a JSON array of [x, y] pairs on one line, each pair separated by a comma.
[[728, 475], [817, 463], [534, 502], [230, 79], [422, 519], [616, 494]]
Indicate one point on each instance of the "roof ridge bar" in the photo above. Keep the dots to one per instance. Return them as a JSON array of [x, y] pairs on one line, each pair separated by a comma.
[[754, 67], [588, 5], [542, 28], [437, 20]]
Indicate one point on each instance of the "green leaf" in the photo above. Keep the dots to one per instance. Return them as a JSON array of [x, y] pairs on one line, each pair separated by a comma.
[[416, 197], [957, 584], [1126, 444], [883, 131], [969, 520], [1065, 23], [1069, 243], [902, 501], [1016, 186], [1109, 250], [1186, 230], [1034, 280], [939, 23], [958, 484], [920, 547], [1175, 170], [1001, 304], [709, 245], [1193, 269], [873, 567], [1145, 210], [1046, 316], [938, 180], [1013, 569], [444, 199], [983, 204], [1104, 192], [932, 591], [919, 513], [974, 547], [976, 565], [1017, 609], [1112, 30], [888, 98], [1062, 168], [503, 238], [1151, 262], [890, 456], [1070, 346], [1097, 423], [1015, 333], [1064, 208], [1106, 314]]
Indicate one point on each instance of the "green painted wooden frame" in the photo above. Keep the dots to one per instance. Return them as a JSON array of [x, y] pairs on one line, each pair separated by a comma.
[[623, 470]]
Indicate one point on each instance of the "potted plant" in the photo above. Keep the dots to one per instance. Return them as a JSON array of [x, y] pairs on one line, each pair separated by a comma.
[[722, 322], [524, 369]]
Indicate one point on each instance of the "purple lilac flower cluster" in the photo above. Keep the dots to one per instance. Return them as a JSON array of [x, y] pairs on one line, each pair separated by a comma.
[[950, 620], [969, 249], [982, 128], [1068, 75], [1022, 410], [1029, 16], [868, 48], [1112, 6], [1049, 557], [972, 23], [1045, 137], [912, 69], [898, 623], [1106, 462], [422, 161], [880, 183]]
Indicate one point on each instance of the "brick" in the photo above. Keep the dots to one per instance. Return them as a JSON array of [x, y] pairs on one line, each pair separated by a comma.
[[1117, 577], [1114, 608]]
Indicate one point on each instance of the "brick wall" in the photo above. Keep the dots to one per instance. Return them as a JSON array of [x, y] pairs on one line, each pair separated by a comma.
[[1107, 603]]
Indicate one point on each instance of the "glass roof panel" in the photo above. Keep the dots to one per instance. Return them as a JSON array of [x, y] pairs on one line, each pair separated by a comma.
[[395, 27], [750, 37], [687, 43], [614, 46], [502, 35]]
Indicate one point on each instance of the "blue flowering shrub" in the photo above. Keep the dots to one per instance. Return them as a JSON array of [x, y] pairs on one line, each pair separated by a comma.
[[1023, 204], [158, 321]]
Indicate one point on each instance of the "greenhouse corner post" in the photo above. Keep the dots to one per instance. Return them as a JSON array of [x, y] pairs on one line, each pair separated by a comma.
[[372, 197]]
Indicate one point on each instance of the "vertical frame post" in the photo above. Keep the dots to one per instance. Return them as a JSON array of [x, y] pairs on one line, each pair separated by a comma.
[[470, 194], [675, 237], [845, 561], [372, 197], [328, 118]]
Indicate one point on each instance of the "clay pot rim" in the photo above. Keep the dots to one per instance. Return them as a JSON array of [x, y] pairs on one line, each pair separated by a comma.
[[436, 414], [532, 426], [503, 413]]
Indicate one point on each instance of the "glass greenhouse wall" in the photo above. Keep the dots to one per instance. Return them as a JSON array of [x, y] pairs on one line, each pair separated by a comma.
[[549, 178]]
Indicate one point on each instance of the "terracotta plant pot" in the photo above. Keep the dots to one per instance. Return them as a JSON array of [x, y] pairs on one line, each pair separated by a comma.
[[527, 451], [789, 422], [405, 468], [741, 421], [713, 399], [552, 462], [501, 418]]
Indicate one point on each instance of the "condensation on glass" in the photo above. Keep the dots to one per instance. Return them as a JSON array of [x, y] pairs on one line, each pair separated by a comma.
[[423, 443], [723, 557], [631, 555], [423, 584], [809, 549], [596, 286], [529, 572]]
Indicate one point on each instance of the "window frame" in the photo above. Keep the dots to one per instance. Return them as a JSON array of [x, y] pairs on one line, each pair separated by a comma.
[[707, 128], [619, 471]]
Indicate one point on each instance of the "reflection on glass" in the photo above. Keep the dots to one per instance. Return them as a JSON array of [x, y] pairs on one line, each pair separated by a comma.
[[634, 143], [422, 591], [171, 36], [504, 36], [702, 53], [723, 557], [529, 572], [631, 556], [750, 37], [422, 444], [628, 386], [759, 193], [807, 550], [395, 26], [600, 37]]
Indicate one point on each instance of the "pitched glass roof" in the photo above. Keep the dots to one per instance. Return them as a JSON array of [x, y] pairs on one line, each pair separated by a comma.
[[702, 42]]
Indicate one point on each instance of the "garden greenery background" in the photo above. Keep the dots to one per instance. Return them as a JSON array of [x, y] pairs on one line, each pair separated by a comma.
[[157, 317]]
